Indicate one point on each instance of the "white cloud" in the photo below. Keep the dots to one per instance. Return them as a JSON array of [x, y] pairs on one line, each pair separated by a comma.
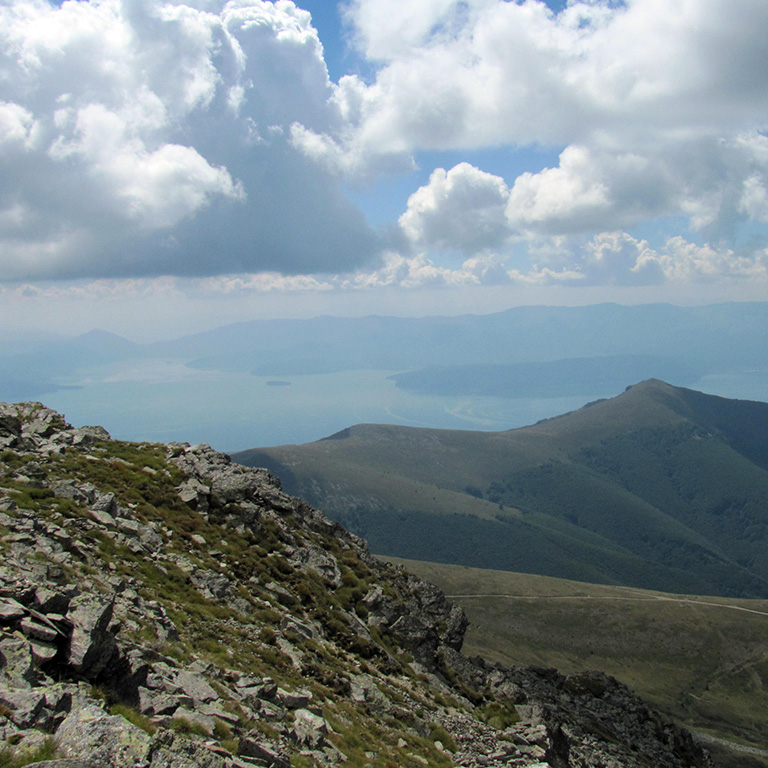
[[658, 104], [617, 258], [463, 208], [156, 189], [489, 269], [388, 29], [684, 261], [754, 200], [204, 137], [17, 127], [263, 282], [147, 138], [407, 272]]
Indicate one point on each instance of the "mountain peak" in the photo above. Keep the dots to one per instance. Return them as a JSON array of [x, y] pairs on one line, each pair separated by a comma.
[[654, 488]]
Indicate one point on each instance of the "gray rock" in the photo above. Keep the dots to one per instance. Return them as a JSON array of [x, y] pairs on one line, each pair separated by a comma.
[[292, 624], [50, 601], [294, 699], [103, 518], [36, 630], [363, 688], [26, 706], [195, 717], [169, 750], [42, 652], [265, 753], [308, 729], [102, 739], [155, 704], [215, 586], [320, 562], [59, 698], [11, 611], [92, 644], [16, 662], [150, 539], [10, 426], [195, 493], [194, 686], [128, 527], [87, 435]]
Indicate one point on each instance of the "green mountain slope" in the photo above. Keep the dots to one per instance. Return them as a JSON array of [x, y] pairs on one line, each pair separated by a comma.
[[660, 487]]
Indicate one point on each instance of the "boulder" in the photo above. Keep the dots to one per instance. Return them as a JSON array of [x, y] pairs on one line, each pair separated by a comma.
[[264, 753], [294, 699], [92, 645], [156, 704], [169, 750], [16, 661], [309, 729], [26, 706], [11, 611], [106, 740], [10, 426], [194, 686]]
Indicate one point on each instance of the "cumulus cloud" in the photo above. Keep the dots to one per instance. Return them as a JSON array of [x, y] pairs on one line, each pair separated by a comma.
[[618, 258], [656, 106], [150, 138], [463, 208], [205, 137]]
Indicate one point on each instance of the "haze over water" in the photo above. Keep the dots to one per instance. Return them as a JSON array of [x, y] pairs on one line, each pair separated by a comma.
[[162, 400]]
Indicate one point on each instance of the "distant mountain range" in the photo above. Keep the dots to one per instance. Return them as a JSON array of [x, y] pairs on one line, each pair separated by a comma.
[[661, 487], [701, 339], [678, 344]]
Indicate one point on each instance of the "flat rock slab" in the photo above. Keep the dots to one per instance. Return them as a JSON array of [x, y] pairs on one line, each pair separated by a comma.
[[65, 763], [11, 611]]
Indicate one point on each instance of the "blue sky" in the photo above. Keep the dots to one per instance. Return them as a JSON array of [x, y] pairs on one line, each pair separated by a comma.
[[172, 166]]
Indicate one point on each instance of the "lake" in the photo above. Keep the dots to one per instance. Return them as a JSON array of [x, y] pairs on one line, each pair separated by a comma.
[[163, 400]]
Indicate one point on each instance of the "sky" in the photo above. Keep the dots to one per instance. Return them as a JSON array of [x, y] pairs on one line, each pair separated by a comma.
[[167, 167]]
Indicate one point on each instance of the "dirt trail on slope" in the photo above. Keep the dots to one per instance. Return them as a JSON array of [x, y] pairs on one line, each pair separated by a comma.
[[690, 601]]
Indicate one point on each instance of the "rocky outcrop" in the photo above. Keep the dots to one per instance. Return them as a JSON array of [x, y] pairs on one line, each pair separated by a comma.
[[162, 606]]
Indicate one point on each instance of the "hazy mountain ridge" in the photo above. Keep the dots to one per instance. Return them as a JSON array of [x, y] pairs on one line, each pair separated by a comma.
[[512, 368], [556, 378], [163, 607], [708, 336], [660, 487], [711, 338]]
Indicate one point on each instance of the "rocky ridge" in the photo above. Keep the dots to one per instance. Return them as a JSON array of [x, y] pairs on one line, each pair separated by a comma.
[[162, 606]]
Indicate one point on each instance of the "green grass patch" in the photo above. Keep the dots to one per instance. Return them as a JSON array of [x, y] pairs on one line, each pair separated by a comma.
[[133, 716], [13, 758]]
